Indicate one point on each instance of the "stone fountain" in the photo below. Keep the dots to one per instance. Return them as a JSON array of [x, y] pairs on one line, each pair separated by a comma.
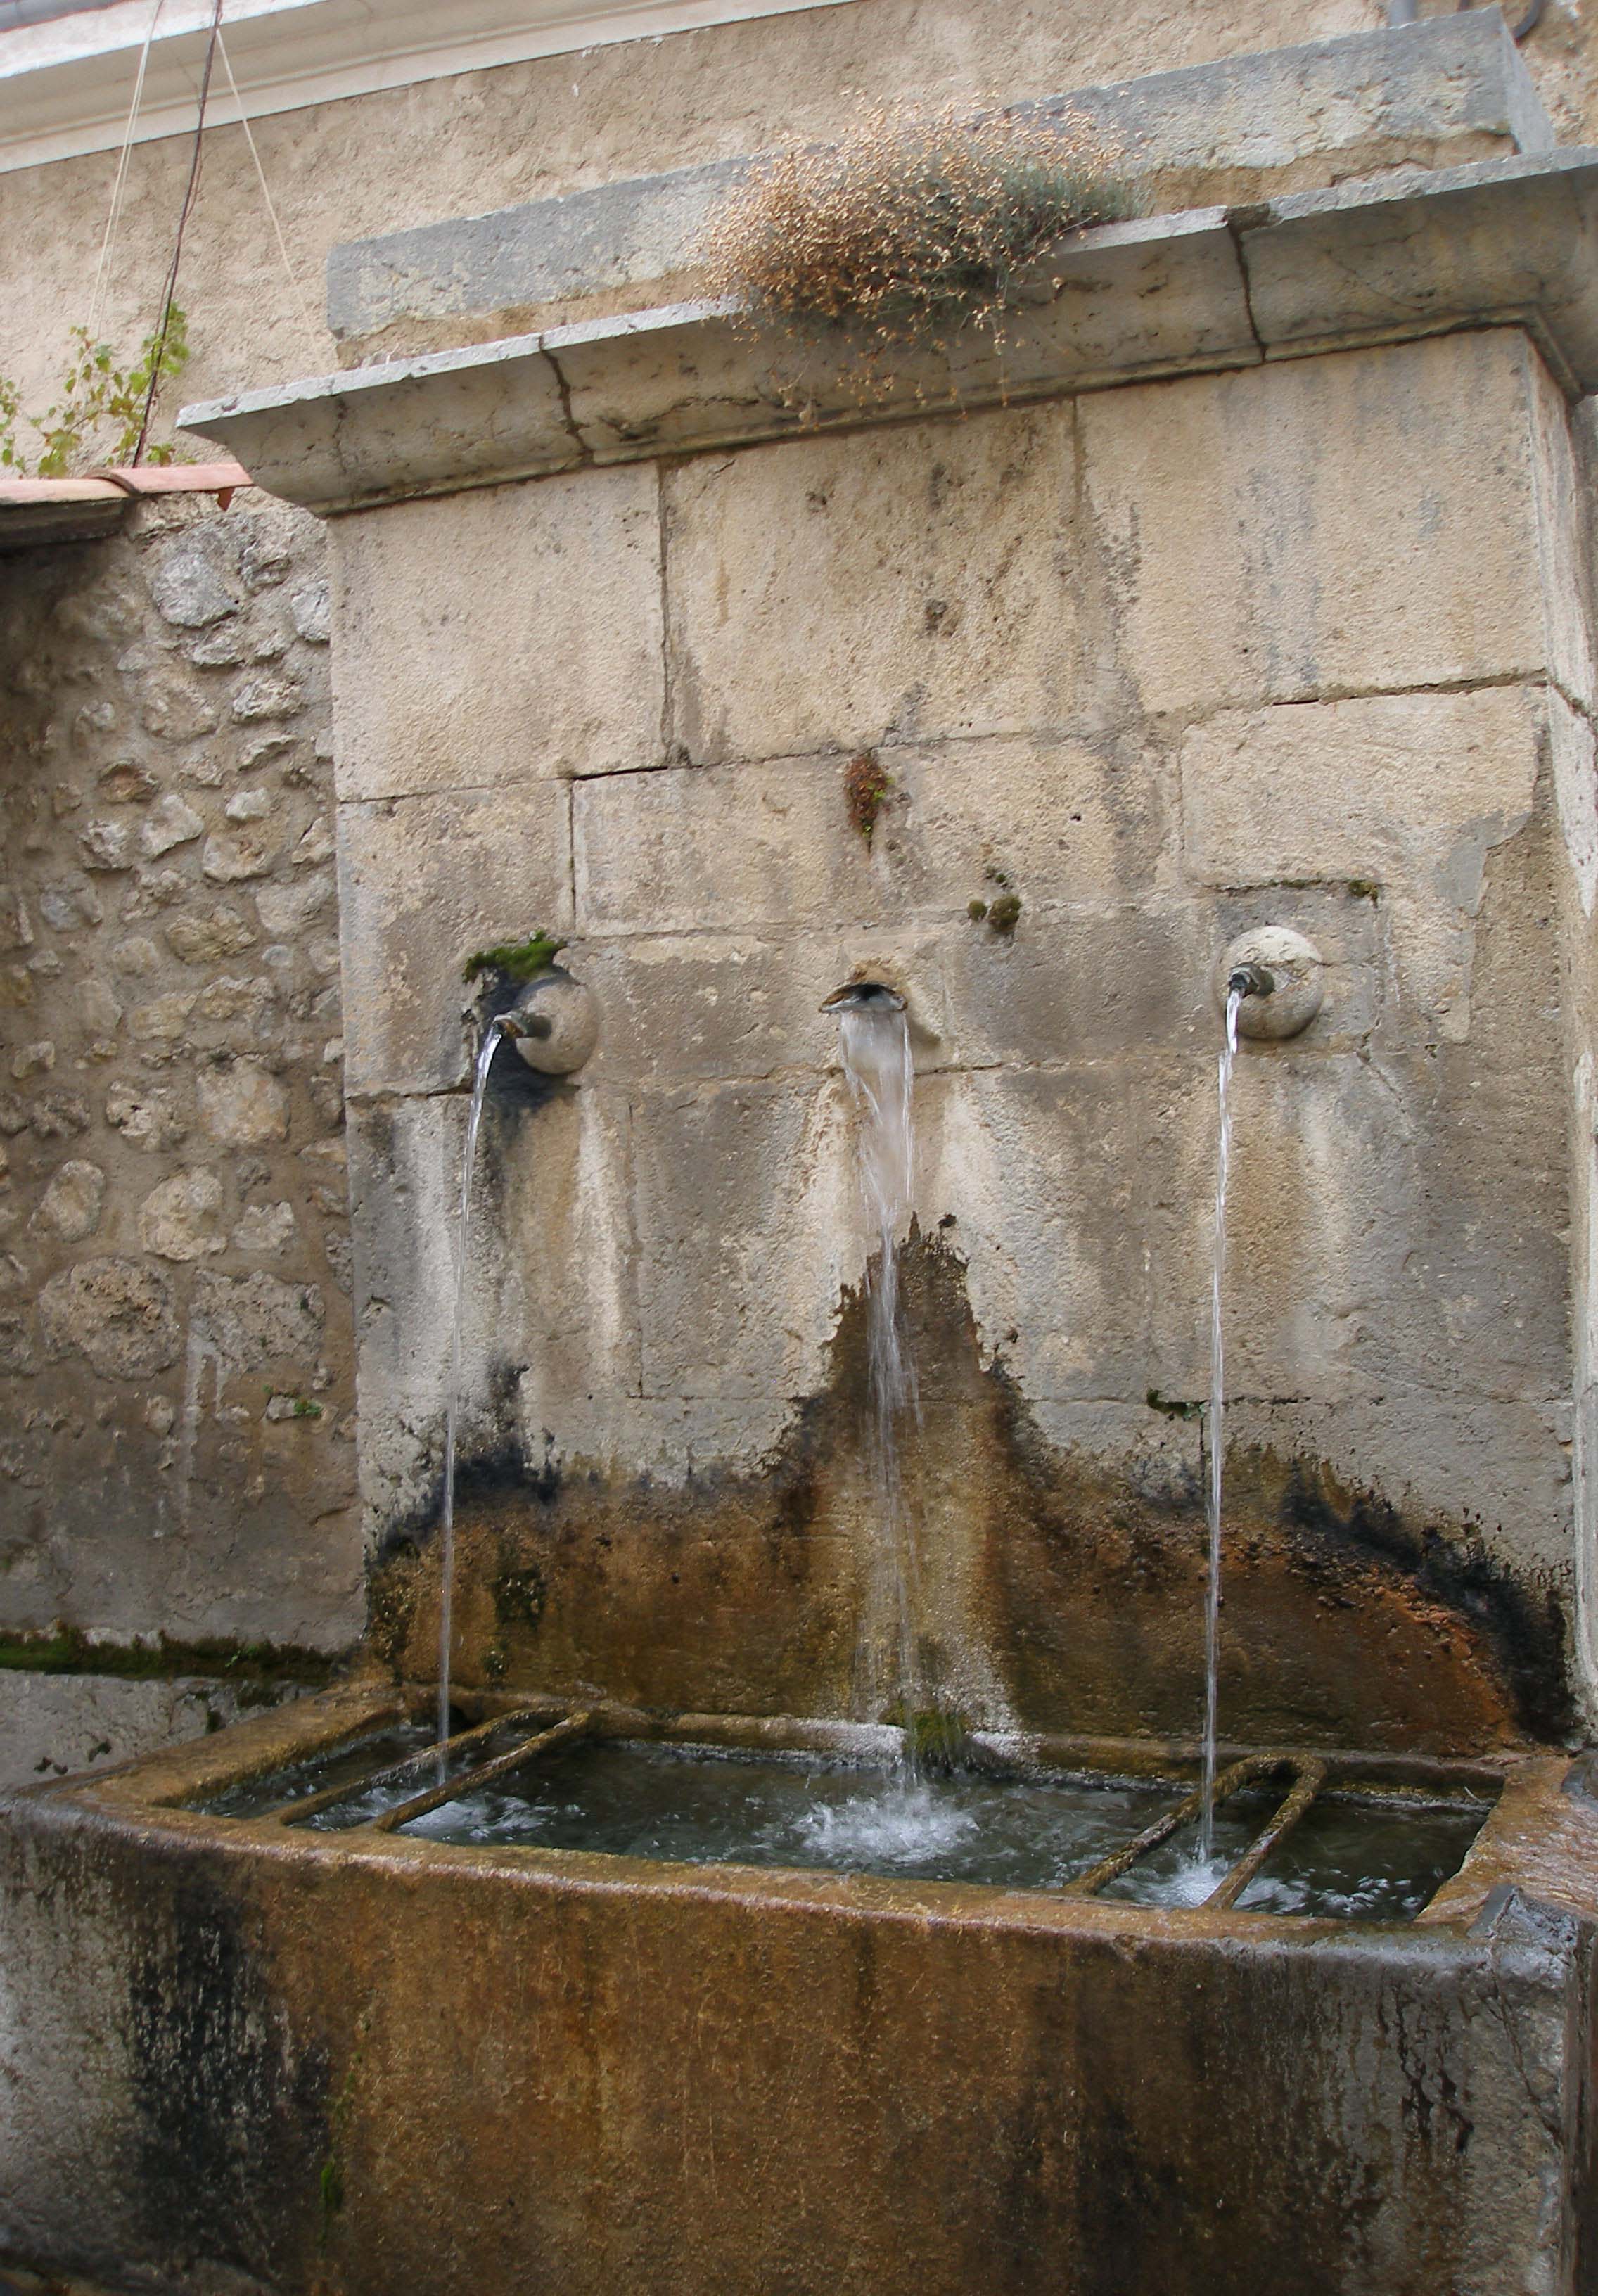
[[1251, 594]]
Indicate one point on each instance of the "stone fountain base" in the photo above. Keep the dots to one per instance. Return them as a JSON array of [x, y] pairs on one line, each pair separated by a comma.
[[242, 2058]]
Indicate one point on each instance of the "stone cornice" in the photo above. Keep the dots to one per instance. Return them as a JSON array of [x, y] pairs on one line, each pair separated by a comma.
[[1508, 242]]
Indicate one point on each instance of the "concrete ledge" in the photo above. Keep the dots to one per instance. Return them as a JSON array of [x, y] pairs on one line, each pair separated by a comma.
[[1451, 88], [1507, 243]]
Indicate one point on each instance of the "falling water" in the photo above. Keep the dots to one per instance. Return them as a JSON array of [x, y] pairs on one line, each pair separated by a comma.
[[1217, 1386], [494, 1036], [875, 1044]]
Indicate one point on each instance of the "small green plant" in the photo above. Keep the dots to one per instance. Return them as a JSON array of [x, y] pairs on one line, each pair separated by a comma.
[[515, 960], [867, 783], [1003, 912], [912, 229], [330, 2180], [935, 1737], [99, 408]]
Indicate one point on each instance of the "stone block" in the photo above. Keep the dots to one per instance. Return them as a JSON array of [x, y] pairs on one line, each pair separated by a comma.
[[706, 1005], [507, 634], [1041, 1171], [1410, 794], [1390, 788], [1062, 820], [70, 1207], [257, 1320], [550, 1311], [391, 431], [1070, 985], [1314, 527], [53, 1725], [193, 577], [747, 846], [242, 1104], [747, 1227], [1564, 539], [182, 1218], [1156, 1455], [1391, 1222], [1576, 791], [425, 882], [1501, 1467], [169, 821], [914, 582], [1505, 237], [118, 1313], [730, 849]]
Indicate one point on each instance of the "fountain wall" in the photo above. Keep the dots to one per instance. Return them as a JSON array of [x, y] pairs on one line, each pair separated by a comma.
[[1301, 642]]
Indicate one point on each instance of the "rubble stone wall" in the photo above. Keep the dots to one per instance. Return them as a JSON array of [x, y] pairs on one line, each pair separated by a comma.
[[176, 1382]]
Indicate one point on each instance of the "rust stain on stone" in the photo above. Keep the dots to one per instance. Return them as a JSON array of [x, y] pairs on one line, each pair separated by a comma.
[[1345, 1622]]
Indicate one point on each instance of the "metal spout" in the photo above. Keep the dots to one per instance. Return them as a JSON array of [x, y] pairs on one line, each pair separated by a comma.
[[864, 995], [1251, 980]]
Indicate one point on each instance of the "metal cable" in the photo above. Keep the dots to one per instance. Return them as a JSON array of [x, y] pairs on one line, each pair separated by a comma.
[[159, 351]]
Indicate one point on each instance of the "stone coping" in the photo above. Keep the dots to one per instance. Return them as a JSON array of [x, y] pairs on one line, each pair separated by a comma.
[[1506, 243], [1454, 87]]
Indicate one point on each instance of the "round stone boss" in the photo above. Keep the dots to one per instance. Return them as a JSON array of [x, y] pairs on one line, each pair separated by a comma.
[[1297, 966]]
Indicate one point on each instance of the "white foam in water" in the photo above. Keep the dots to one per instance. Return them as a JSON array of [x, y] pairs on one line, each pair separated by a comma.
[[901, 1825], [1197, 1880]]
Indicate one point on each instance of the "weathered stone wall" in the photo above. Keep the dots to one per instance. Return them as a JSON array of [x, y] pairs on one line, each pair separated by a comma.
[[1293, 646], [452, 147], [175, 1387]]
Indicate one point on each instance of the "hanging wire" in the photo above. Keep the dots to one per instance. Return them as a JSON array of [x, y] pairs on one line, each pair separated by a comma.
[[159, 350], [119, 184], [311, 335]]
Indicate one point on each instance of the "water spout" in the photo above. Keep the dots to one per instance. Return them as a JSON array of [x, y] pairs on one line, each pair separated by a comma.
[[504, 1025], [864, 996], [1235, 993], [875, 1038], [1251, 980]]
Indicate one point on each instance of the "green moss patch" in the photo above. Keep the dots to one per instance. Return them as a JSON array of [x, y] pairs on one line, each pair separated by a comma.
[[67, 1650], [514, 960]]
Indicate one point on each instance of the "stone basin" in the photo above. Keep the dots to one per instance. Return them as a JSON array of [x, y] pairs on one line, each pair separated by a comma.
[[244, 2055]]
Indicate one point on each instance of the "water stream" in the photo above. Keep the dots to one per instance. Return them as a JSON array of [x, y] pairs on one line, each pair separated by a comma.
[[1217, 1394], [875, 1043], [494, 1036]]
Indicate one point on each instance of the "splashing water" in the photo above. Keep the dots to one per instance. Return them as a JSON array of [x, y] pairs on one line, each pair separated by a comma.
[[875, 1044], [1217, 1385], [494, 1036]]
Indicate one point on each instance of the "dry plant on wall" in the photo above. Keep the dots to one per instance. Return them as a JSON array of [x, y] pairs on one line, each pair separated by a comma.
[[909, 233]]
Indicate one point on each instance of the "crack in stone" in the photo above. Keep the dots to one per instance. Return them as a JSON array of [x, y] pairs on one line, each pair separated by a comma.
[[584, 455], [1240, 221]]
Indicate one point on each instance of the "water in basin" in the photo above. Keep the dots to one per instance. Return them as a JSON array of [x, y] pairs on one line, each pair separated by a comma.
[[706, 1807], [1358, 1858], [343, 1765]]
